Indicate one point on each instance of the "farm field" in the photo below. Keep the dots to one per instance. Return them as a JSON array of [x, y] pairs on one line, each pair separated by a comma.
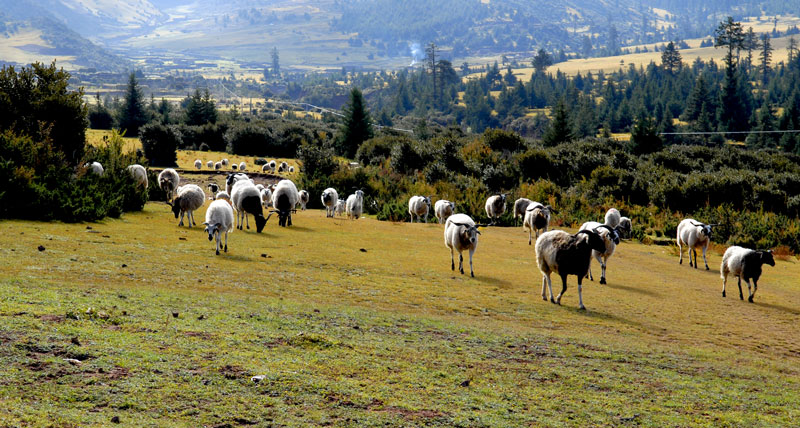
[[362, 323]]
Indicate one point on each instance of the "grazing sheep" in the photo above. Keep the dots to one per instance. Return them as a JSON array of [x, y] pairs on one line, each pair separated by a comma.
[[693, 235], [224, 196], [284, 167], [224, 162], [558, 251], [265, 168], [219, 219], [95, 167], [625, 227], [284, 201], [520, 205], [213, 188], [461, 234], [355, 205], [210, 164], [419, 206], [266, 198], [218, 166], [234, 166], [168, 181], [304, 198], [443, 209], [291, 169], [495, 207], [242, 166], [341, 206], [232, 179], [613, 217], [190, 197], [329, 199], [744, 263], [610, 237], [272, 165], [537, 217], [198, 164], [247, 200], [139, 175]]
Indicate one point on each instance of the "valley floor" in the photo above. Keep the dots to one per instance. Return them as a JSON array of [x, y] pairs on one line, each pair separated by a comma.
[[362, 323]]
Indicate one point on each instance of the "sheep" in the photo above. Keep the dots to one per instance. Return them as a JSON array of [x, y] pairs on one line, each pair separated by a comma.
[[461, 234], [537, 217], [611, 238], [217, 166], [330, 198], [224, 162], [247, 200], [168, 181], [355, 205], [242, 166], [283, 167], [744, 263], [613, 217], [419, 206], [232, 179], [625, 227], [190, 197], [224, 196], [693, 234], [219, 219], [139, 175], [198, 164], [213, 188], [558, 251], [260, 187], [443, 209], [210, 164], [495, 207], [234, 166], [340, 207], [95, 168], [304, 198], [520, 205], [266, 198], [265, 167], [291, 169], [284, 201]]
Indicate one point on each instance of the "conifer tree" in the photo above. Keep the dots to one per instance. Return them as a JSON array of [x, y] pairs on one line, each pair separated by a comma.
[[132, 115], [357, 126], [560, 128]]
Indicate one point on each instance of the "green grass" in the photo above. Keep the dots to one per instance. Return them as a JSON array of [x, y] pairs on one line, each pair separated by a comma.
[[383, 337]]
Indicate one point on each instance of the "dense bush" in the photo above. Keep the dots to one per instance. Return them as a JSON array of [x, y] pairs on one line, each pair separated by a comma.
[[249, 139], [160, 143]]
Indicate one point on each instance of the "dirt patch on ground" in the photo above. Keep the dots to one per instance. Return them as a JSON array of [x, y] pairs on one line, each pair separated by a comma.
[[52, 318], [233, 372], [199, 334]]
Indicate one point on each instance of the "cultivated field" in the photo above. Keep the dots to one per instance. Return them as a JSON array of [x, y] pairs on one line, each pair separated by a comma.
[[362, 323]]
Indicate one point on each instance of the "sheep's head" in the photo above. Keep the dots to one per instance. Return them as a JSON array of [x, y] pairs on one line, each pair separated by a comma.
[[260, 222], [452, 206], [427, 200], [211, 229], [767, 258], [469, 233], [613, 235], [176, 206], [359, 194], [625, 227], [595, 241]]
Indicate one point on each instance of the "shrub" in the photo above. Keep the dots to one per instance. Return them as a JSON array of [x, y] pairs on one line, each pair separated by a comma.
[[160, 144], [249, 140]]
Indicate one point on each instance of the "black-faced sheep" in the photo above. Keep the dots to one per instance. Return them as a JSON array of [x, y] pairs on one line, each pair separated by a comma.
[[537, 217], [495, 207], [284, 201], [745, 264], [611, 238], [693, 235], [461, 234], [247, 200], [330, 197]]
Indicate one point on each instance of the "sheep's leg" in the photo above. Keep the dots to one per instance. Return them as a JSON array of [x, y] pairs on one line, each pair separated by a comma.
[[246, 219], [749, 291], [692, 251], [191, 219], [741, 296], [180, 223], [704, 257], [412, 218], [472, 273], [461, 263], [289, 220], [680, 252], [563, 289], [426, 218], [530, 235], [724, 281], [216, 241], [603, 274], [544, 287], [452, 260], [226, 241], [755, 288], [580, 296]]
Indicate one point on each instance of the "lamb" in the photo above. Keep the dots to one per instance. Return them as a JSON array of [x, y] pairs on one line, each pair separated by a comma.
[[341, 206], [558, 251], [139, 175], [355, 205], [304, 198], [242, 166], [265, 167], [744, 263], [419, 206], [266, 198], [330, 199], [247, 200], [461, 234], [520, 205], [168, 181], [443, 209], [210, 164], [217, 166], [198, 164], [537, 217], [190, 197], [611, 238], [96, 168], [495, 207], [625, 227], [613, 217], [693, 235], [219, 219], [284, 201], [224, 162]]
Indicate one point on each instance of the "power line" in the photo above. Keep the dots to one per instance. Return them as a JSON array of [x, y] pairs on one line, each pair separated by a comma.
[[335, 113], [787, 131]]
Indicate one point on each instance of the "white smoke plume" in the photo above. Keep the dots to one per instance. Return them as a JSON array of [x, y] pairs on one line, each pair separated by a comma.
[[416, 53]]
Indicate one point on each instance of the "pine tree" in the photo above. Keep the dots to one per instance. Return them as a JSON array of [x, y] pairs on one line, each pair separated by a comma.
[[276, 66], [667, 126], [132, 115], [560, 128], [764, 124], [357, 126], [541, 61], [671, 59], [750, 44], [644, 137], [732, 117], [765, 55]]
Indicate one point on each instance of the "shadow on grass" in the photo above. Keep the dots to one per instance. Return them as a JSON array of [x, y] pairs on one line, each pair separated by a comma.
[[787, 309], [632, 289], [488, 280]]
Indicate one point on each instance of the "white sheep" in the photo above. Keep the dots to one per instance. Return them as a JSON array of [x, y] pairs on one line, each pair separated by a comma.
[[224, 196], [284, 167], [224, 162], [139, 174], [266, 197], [495, 207], [610, 237], [419, 206], [284, 201], [693, 235], [217, 166], [198, 163], [265, 167], [304, 198], [745, 264], [168, 181], [330, 197], [210, 164], [341, 206], [190, 198], [537, 217], [461, 234], [443, 209], [242, 166], [613, 217], [355, 205], [520, 205], [234, 166], [247, 200], [95, 168], [558, 251], [234, 178], [219, 219], [272, 165], [625, 227]]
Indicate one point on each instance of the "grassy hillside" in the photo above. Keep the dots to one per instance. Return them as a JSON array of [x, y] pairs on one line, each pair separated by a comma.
[[362, 323]]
